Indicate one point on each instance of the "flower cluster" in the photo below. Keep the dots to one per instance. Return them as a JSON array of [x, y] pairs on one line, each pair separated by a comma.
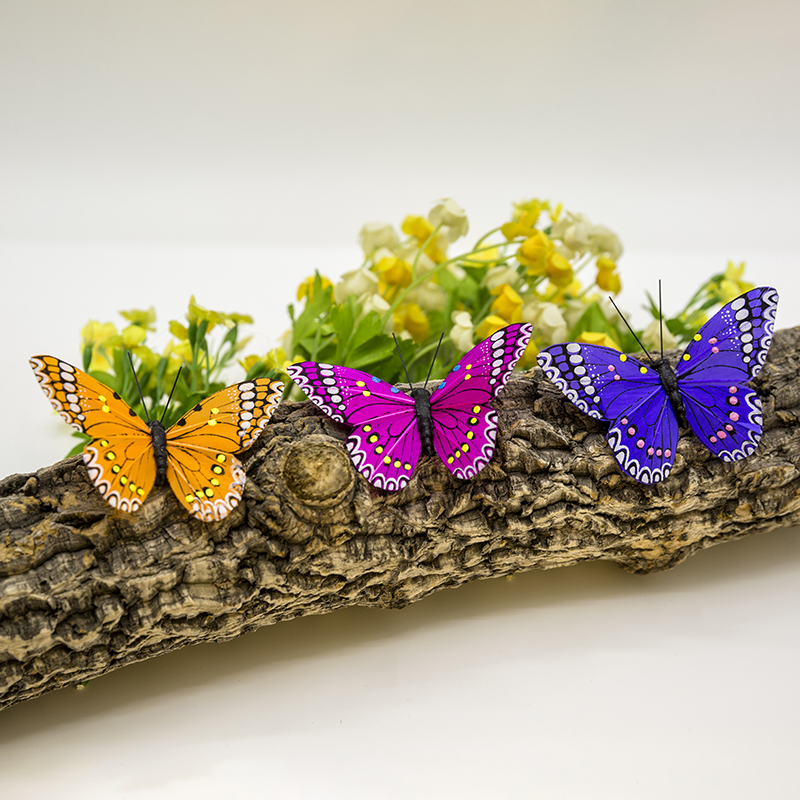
[[547, 266], [200, 350], [410, 285], [552, 268]]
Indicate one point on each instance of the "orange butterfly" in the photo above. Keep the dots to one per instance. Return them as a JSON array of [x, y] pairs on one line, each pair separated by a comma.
[[127, 456]]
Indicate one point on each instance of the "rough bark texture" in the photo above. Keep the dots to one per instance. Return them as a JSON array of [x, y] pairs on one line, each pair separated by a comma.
[[84, 590]]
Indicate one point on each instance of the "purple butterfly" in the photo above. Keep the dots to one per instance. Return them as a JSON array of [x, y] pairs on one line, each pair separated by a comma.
[[705, 392], [392, 429]]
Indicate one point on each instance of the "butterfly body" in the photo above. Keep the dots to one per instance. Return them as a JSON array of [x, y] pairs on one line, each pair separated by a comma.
[[669, 380], [127, 456], [391, 429], [422, 408], [706, 392], [158, 435]]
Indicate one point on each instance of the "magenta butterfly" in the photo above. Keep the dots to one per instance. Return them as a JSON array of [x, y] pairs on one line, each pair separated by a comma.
[[391, 429], [706, 392]]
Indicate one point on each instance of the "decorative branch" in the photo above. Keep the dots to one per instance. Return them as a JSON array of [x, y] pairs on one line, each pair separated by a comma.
[[85, 590]]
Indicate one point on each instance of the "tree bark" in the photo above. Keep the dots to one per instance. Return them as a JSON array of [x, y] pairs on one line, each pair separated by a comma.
[[85, 590]]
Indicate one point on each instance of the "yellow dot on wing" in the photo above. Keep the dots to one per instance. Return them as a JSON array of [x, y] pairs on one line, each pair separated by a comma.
[[116, 468], [470, 434], [216, 468], [104, 443], [212, 422], [379, 449], [469, 366], [102, 398], [396, 464], [623, 357], [189, 498], [697, 337], [360, 383], [686, 356], [214, 482], [215, 411], [406, 466], [473, 421], [123, 480], [450, 460], [374, 438], [209, 492], [387, 460], [221, 458], [132, 487], [140, 492], [465, 448], [458, 454], [467, 376], [105, 409], [368, 428], [476, 409], [199, 494], [110, 456], [643, 370]]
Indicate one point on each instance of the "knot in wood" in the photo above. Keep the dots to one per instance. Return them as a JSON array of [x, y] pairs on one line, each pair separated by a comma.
[[318, 472]]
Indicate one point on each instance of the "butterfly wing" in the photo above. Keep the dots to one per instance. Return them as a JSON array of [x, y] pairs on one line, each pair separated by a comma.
[[201, 468], [464, 427], [728, 350], [733, 345], [725, 418], [384, 444], [119, 459], [612, 386]]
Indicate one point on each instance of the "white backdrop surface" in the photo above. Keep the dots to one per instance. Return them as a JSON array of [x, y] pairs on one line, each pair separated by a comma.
[[151, 151]]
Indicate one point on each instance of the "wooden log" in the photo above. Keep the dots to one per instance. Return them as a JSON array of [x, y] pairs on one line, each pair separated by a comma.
[[85, 590]]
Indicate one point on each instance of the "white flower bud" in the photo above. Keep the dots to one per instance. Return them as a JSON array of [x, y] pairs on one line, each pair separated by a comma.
[[452, 218], [377, 234], [461, 334], [358, 282], [651, 338]]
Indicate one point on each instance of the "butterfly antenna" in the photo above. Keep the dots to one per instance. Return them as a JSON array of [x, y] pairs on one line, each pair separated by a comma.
[[397, 345], [433, 361], [164, 414], [139, 388], [644, 350], [660, 319]]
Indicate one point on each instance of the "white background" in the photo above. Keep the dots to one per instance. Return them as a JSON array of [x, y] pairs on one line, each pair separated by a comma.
[[149, 151]]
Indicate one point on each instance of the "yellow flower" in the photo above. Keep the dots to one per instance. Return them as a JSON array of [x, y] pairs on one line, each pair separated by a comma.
[[534, 252], [518, 228], [306, 288], [99, 336], [132, 336], [421, 228], [179, 353], [142, 317], [591, 337], [732, 285], [559, 270], [411, 317], [197, 314], [485, 258], [178, 331], [607, 277], [490, 325], [528, 358], [508, 304], [393, 271], [95, 333]]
